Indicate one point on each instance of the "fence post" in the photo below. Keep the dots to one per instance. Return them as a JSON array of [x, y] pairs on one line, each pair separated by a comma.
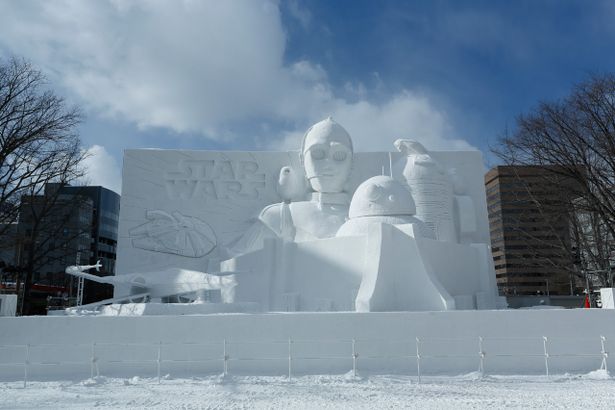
[[93, 361], [354, 359], [418, 360], [225, 368], [546, 354], [158, 360], [481, 354], [290, 358], [26, 363], [605, 354]]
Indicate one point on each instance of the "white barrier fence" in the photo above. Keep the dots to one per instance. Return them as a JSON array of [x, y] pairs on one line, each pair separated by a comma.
[[228, 357]]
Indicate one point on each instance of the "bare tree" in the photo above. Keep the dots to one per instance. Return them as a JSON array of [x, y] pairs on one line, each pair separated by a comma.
[[54, 231], [38, 139], [39, 145], [573, 141]]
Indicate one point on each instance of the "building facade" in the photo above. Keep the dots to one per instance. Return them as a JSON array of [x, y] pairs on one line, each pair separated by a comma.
[[67, 225], [530, 231], [8, 272], [103, 236]]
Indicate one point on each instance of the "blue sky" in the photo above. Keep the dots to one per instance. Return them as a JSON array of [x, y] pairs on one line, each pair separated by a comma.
[[483, 61], [255, 74]]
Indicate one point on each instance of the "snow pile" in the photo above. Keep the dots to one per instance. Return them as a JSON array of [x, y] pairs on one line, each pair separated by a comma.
[[600, 374], [595, 390]]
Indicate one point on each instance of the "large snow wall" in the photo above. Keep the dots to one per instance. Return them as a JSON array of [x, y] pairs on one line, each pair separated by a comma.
[[512, 342]]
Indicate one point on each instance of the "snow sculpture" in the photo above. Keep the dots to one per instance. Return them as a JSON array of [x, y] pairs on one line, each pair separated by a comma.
[[158, 285], [174, 233], [291, 184], [327, 156], [79, 270], [381, 199], [415, 240], [383, 258], [431, 188], [465, 217], [291, 187]]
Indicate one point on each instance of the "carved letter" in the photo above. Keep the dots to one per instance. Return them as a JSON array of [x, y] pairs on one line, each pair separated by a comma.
[[206, 190], [247, 170], [229, 189], [182, 188], [223, 171], [252, 190]]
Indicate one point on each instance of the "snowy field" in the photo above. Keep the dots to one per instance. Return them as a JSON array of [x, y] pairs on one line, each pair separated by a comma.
[[595, 390]]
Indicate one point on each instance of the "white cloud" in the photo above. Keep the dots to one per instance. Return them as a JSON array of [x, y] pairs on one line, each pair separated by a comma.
[[375, 127], [406, 115], [300, 13], [189, 65], [102, 169], [202, 66]]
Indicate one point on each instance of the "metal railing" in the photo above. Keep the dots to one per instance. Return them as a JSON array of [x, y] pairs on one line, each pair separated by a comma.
[[541, 350]]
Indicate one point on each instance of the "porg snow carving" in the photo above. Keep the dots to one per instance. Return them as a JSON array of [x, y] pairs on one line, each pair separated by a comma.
[[292, 184]]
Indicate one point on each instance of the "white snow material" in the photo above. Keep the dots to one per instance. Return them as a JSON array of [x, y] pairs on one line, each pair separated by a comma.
[[512, 340], [8, 305], [360, 226], [195, 210], [607, 298], [315, 392], [381, 195], [600, 374]]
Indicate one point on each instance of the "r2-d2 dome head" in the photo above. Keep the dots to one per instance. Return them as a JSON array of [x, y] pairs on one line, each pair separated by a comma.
[[380, 199], [379, 196]]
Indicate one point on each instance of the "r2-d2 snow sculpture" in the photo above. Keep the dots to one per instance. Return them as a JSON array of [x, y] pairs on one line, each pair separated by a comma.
[[431, 188]]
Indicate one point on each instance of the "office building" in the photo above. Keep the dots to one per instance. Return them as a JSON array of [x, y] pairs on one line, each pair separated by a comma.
[[530, 231], [64, 226]]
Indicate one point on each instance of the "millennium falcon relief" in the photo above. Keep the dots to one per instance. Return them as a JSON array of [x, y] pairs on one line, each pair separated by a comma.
[[174, 233]]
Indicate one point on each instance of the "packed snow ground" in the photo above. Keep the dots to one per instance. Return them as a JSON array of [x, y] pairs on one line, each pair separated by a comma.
[[595, 390]]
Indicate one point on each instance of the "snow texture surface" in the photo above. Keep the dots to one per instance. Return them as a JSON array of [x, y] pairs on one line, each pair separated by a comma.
[[595, 390]]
